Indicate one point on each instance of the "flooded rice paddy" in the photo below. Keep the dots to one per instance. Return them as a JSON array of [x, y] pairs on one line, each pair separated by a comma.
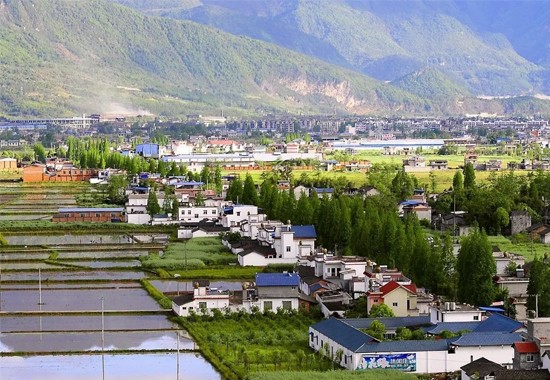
[[60, 329], [146, 366]]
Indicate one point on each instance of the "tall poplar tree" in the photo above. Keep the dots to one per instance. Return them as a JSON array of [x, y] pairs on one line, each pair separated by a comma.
[[476, 268]]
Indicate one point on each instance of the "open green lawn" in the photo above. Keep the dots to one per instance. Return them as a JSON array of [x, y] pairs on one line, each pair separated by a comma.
[[526, 249], [193, 254]]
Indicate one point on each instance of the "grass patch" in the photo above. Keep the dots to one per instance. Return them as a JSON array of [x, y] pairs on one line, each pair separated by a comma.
[[157, 295], [47, 226], [219, 273], [195, 254], [527, 249], [372, 374]]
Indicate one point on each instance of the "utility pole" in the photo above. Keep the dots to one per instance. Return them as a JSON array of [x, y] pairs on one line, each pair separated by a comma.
[[102, 339]]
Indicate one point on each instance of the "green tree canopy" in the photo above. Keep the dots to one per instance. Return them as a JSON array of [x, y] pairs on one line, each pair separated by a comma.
[[381, 311], [476, 268]]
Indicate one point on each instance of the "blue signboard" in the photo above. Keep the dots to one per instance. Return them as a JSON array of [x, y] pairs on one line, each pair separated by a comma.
[[402, 362]]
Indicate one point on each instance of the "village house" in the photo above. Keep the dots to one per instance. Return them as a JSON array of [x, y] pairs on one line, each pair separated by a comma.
[[540, 232], [89, 214], [439, 164], [201, 300], [488, 370], [282, 244], [272, 291], [401, 299], [362, 351], [8, 164], [526, 355]]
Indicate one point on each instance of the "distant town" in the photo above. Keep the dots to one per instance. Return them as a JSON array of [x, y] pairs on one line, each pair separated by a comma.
[[417, 245]]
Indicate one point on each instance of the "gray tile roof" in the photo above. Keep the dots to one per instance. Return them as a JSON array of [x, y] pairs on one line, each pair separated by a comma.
[[405, 346], [487, 339], [342, 333], [391, 323], [481, 366], [453, 327]]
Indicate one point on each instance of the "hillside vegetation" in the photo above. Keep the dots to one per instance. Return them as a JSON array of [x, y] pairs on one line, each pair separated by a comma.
[[96, 56], [488, 47]]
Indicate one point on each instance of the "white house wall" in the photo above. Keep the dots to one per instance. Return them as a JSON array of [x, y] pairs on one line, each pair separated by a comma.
[[138, 218], [463, 355]]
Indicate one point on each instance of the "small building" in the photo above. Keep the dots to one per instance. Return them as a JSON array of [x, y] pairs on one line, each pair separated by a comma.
[[526, 355], [439, 164], [201, 300], [8, 164], [149, 150], [89, 214], [479, 369], [401, 299], [519, 221], [273, 291]]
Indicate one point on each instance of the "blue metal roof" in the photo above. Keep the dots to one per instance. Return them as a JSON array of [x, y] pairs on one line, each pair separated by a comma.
[[405, 346], [321, 190], [487, 339], [391, 323], [343, 334], [277, 279], [499, 323], [304, 232], [91, 209], [190, 183], [453, 327], [492, 309]]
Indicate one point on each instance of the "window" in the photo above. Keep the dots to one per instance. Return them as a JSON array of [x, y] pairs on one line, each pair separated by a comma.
[[188, 212], [345, 359], [476, 317], [395, 304], [287, 305], [202, 305], [238, 213], [288, 248], [530, 358], [213, 212], [97, 214], [82, 215], [376, 300], [196, 215], [205, 212], [268, 305]]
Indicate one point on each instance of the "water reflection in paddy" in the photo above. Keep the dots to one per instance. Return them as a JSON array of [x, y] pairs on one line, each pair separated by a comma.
[[119, 367]]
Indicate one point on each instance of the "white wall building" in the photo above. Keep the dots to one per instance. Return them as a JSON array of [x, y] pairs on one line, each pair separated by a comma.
[[201, 300]]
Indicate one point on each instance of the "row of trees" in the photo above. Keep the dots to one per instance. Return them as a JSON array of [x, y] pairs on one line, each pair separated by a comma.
[[371, 228]]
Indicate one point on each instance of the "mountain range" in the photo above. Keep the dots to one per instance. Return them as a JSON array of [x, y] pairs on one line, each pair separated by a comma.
[[60, 57]]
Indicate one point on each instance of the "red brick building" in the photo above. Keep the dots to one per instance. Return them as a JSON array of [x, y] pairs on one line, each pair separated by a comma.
[[89, 214], [40, 173]]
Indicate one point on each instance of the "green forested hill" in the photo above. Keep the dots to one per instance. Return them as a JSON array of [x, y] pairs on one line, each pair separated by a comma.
[[95, 56], [498, 47]]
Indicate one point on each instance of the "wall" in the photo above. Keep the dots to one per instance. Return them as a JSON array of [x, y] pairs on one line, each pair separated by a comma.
[[398, 296], [503, 355]]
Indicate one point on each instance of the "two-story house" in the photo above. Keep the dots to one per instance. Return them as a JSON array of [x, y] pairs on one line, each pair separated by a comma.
[[273, 291], [401, 299]]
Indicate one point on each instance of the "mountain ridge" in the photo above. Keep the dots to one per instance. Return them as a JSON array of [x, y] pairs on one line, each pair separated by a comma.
[[473, 42]]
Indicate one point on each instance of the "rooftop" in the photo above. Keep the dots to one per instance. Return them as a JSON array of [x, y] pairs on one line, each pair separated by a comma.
[[481, 366], [91, 209], [277, 279], [487, 339]]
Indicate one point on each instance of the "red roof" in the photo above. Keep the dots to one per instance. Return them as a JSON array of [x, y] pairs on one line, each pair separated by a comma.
[[526, 347], [392, 285]]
